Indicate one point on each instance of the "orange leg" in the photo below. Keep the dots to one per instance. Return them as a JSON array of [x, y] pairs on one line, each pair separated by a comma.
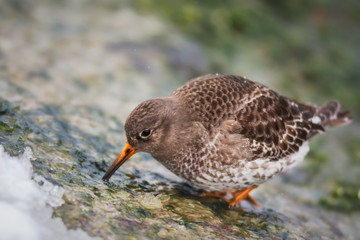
[[238, 196], [252, 200], [219, 194], [243, 194]]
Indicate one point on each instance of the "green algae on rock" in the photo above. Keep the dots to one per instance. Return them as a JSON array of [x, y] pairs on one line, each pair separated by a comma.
[[135, 204], [78, 78]]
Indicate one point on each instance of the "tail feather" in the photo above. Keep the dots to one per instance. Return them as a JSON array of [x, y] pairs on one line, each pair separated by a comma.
[[331, 115]]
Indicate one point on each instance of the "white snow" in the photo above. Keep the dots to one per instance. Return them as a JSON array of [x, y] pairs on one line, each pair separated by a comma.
[[25, 206]]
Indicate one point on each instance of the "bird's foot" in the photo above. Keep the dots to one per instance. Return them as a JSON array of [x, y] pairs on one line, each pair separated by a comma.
[[241, 195], [219, 194], [237, 196]]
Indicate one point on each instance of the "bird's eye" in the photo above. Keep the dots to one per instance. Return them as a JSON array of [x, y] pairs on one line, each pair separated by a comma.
[[145, 134]]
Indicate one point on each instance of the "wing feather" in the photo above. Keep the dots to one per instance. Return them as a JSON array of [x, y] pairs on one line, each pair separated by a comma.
[[275, 125]]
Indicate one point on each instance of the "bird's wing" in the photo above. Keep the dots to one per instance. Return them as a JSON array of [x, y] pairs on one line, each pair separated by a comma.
[[214, 98], [274, 125]]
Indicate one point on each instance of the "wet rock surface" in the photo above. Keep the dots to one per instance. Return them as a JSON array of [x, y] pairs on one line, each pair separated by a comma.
[[66, 87]]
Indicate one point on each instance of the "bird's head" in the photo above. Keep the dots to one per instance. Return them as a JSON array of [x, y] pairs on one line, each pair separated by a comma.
[[147, 129]]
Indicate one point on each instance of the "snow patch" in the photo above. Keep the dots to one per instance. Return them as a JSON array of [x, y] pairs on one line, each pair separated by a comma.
[[26, 205]]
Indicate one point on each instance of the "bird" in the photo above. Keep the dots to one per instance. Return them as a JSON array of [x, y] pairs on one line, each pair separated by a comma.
[[226, 134]]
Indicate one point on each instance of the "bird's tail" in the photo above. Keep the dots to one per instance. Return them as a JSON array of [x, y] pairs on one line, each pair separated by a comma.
[[331, 115]]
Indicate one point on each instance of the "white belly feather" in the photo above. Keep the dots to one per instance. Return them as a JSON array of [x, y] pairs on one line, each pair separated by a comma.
[[249, 173]]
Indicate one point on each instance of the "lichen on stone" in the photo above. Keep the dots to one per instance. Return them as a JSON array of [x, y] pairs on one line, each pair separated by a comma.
[[68, 83]]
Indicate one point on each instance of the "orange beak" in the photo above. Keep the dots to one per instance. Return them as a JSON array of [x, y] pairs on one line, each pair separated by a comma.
[[125, 154]]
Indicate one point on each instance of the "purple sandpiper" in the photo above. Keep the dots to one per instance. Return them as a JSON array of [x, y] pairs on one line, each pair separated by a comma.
[[226, 134]]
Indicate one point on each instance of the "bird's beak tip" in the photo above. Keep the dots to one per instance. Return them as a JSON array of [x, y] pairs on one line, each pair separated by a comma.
[[125, 154]]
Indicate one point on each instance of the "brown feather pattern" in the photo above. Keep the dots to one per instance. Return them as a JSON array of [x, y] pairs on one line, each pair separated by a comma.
[[223, 132], [275, 125]]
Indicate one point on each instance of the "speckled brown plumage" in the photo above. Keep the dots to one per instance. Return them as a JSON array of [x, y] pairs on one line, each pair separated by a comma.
[[276, 125], [224, 132]]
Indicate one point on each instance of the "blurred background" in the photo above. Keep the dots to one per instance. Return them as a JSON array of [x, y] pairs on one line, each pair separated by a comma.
[[110, 55]]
